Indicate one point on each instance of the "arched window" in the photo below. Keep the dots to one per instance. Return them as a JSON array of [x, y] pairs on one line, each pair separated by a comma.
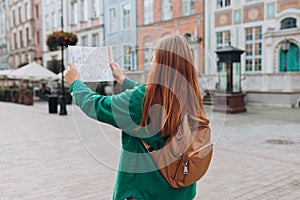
[[289, 23]]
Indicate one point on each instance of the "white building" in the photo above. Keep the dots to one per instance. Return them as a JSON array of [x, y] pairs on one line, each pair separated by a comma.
[[82, 17], [51, 11], [258, 27], [4, 37], [87, 21]]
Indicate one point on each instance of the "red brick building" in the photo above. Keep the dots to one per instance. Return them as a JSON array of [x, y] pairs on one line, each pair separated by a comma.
[[156, 18]]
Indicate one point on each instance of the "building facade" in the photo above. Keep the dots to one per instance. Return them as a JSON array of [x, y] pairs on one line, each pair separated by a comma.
[[87, 21], [161, 17], [37, 31], [51, 21], [270, 75], [22, 32], [4, 36], [120, 32]]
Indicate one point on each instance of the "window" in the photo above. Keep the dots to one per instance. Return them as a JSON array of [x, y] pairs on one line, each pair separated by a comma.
[[95, 40], [253, 49], [47, 23], [20, 15], [270, 10], [166, 9], [27, 11], [127, 57], [59, 17], [223, 39], [74, 13], [289, 23], [148, 53], [14, 17], [148, 11], [237, 16], [115, 52], [223, 3], [37, 11], [188, 7], [84, 41], [126, 15], [21, 39], [38, 37], [84, 10], [27, 36], [95, 8], [53, 20], [15, 41], [112, 20]]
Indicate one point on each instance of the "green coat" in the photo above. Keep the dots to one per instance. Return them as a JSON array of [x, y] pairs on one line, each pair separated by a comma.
[[137, 174]]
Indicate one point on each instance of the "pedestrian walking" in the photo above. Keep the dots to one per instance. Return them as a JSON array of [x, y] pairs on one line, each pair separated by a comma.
[[148, 116]]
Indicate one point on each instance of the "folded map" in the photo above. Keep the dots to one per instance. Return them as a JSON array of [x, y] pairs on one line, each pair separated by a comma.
[[92, 62]]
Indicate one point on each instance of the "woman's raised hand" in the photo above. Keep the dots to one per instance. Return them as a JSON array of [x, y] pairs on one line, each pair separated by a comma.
[[117, 72], [72, 74]]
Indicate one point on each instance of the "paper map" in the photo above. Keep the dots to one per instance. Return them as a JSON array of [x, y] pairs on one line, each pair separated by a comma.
[[92, 62]]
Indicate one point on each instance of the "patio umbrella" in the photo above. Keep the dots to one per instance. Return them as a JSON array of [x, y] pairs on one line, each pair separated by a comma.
[[5, 73], [33, 72]]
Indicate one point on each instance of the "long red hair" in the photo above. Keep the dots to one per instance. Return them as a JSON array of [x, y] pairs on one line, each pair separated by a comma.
[[172, 83]]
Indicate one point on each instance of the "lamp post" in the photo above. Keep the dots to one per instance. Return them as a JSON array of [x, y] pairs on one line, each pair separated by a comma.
[[63, 109], [285, 46]]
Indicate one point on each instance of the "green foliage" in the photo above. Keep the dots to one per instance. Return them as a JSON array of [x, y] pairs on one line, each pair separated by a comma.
[[28, 90], [2, 92]]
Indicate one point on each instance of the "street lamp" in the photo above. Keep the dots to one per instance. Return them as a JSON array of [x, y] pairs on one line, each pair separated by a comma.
[[285, 46], [63, 109]]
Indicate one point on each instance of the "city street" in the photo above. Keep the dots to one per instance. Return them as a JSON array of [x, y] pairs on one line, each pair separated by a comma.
[[47, 156]]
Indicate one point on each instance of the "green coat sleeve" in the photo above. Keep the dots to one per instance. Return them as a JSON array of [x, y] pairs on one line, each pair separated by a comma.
[[117, 110], [128, 84]]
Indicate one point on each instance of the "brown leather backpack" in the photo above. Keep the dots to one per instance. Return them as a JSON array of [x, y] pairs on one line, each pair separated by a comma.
[[185, 158]]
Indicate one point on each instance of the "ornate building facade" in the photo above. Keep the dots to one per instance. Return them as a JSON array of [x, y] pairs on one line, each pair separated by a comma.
[[270, 74]]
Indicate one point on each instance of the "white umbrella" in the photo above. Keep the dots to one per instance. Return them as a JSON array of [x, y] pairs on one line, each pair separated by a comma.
[[33, 72], [5, 73]]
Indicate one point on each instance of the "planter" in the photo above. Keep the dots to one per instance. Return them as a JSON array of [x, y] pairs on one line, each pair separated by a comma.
[[21, 96], [14, 96], [28, 98], [7, 95]]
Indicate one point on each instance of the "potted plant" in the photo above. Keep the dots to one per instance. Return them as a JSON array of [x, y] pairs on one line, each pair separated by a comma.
[[28, 96], [14, 95], [60, 38], [2, 93], [21, 95]]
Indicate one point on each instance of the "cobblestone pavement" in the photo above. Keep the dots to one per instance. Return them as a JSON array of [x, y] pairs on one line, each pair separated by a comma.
[[47, 156]]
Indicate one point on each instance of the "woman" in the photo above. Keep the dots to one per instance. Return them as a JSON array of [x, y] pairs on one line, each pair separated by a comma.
[[150, 113]]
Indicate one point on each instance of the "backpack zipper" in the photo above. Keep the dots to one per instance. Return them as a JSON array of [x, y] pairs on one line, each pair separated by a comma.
[[185, 169], [186, 164]]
